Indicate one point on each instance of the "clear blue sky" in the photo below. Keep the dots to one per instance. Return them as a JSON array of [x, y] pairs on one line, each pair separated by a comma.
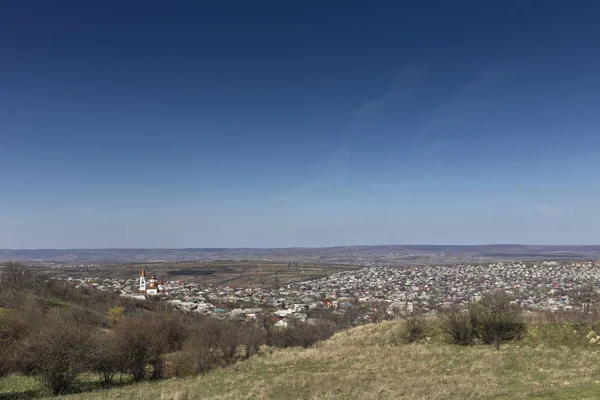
[[318, 123]]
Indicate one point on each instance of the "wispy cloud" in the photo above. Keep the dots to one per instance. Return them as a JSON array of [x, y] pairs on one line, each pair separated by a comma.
[[335, 176], [403, 84], [468, 104], [471, 102]]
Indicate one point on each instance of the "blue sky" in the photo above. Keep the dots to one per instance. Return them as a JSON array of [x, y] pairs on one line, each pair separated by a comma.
[[272, 124]]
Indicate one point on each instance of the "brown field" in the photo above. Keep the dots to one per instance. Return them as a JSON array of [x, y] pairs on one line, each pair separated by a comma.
[[235, 273]]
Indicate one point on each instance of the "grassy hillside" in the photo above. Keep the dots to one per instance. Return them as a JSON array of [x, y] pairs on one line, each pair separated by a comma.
[[72, 340], [552, 362]]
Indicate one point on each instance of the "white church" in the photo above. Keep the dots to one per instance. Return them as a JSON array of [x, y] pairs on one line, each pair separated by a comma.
[[152, 287]]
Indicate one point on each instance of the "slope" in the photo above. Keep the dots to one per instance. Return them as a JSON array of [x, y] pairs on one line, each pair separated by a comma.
[[362, 363]]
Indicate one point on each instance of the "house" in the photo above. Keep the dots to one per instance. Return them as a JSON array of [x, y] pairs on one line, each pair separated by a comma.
[[281, 324]]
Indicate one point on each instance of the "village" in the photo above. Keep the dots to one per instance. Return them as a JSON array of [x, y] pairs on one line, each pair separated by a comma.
[[545, 285]]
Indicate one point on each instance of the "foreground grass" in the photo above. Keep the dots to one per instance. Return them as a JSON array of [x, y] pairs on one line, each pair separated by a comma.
[[556, 363], [26, 387]]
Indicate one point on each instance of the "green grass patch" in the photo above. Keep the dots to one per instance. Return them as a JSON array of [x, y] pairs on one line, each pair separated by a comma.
[[15, 387]]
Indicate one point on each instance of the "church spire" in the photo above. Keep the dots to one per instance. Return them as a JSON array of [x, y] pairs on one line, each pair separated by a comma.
[[143, 281]]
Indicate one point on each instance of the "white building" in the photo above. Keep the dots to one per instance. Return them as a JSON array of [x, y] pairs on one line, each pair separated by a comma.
[[152, 287]]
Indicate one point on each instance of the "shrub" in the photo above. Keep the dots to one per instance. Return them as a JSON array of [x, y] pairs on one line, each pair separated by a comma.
[[457, 325], [105, 357], [15, 280], [116, 314], [15, 325], [495, 319], [179, 364], [139, 343], [252, 339], [57, 351], [201, 353], [413, 329], [229, 343], [213, 343], [492, 320], [173, 332]]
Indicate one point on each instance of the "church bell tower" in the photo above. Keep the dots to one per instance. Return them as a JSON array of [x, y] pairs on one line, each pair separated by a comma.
[[143, 280]]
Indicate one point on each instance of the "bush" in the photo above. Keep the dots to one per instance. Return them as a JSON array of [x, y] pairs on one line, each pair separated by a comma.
[[173, 332], [105, 358], [456, 324], [57, 351], [137, 345], [413, 329], [139, 342], [492, 320], [213, 343], [252, 339], [15, 280], [180, 364], [201, 352], [495, 319], [116, 314], [15, 325]]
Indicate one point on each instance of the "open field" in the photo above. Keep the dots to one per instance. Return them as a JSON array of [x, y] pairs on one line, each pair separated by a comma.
[[552, 362], [235, 273]]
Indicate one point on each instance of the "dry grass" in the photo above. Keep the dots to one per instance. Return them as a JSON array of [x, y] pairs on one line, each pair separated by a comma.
[[361, 363]]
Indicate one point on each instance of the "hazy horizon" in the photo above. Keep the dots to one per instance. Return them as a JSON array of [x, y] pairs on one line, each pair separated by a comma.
[[304, 247], [270, 124]]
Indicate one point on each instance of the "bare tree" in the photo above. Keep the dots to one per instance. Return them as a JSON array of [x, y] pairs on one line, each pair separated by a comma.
[[57, 351], [105, 357], [139, 343]]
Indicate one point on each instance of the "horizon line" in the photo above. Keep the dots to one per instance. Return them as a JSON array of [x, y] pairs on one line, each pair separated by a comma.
[[294, 247]]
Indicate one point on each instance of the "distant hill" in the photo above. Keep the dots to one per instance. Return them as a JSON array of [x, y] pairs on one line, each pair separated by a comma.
[[363, 255]]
